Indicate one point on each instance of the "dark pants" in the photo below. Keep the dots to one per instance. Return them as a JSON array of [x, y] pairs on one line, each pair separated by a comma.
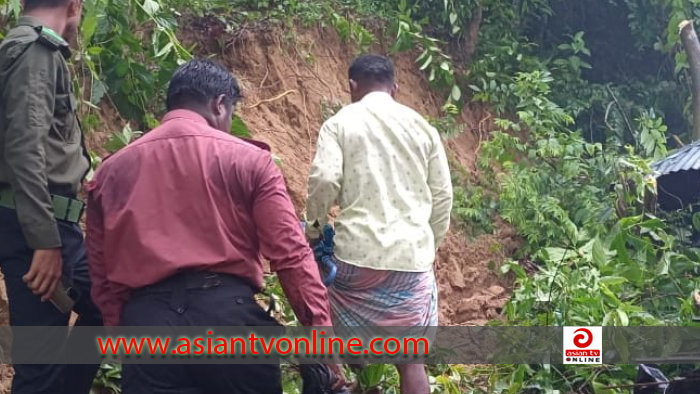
[[26, 309], [227, 302]]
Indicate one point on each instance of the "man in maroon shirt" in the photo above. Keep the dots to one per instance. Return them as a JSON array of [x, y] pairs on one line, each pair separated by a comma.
[[177, 223]]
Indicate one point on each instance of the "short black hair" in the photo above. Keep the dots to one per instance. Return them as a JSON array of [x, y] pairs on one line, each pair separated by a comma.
[[200, 80], [35, 4], [372, 69]]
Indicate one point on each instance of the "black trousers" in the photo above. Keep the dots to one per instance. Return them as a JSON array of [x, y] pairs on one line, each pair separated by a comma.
[[26, 309], [220, 303]]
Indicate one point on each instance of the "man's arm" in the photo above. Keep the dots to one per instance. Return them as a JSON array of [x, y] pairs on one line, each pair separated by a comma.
[[29, 98], [324, 179], [282, 242], [440, 184], [107, 301]]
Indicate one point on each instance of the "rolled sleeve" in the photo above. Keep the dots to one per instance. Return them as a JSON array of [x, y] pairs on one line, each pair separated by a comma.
[[29, 96]]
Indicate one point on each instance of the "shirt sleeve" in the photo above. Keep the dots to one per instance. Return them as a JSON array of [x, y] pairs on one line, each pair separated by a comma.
[[440, 183], [29, 97], [325, 178], [282, 242], [103, 293]]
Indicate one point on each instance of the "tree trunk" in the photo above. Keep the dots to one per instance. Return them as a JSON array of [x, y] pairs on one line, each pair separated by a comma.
[[471, 38], [692, 48]]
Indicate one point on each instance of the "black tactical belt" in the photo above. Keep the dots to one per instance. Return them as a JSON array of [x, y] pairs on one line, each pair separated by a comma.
[[64, 208]]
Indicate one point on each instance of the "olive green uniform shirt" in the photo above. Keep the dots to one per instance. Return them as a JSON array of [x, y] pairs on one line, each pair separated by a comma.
[[41, 145]]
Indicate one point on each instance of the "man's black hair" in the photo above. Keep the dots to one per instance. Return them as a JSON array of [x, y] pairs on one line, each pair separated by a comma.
[[372, 69], [198, 81], [35, 4]]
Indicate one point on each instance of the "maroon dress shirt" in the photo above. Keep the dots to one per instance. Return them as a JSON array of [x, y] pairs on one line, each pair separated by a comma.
[[186, 196]]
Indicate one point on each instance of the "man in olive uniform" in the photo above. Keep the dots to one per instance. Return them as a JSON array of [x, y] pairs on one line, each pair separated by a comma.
[[42, 163]]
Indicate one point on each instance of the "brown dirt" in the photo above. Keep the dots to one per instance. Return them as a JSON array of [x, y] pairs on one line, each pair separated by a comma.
[[472, 290], [311, 69], [285, 79]]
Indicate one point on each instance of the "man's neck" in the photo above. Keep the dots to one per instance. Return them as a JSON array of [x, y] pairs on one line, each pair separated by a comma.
[[374, 91], [199, 110], [381, 91], [49, 19]]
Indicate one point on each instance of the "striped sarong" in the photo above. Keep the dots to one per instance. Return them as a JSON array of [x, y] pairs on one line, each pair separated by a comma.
[[367, 297]]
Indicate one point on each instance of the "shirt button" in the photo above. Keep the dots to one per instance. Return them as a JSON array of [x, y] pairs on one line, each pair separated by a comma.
[[239, 300], [181, 310]]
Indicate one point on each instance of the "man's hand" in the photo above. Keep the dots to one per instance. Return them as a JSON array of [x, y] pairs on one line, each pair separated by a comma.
[[45, 272], [340, 381]]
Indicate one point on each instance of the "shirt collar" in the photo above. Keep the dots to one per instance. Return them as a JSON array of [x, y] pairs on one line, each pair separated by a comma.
[[197, 118], [55, 38], [184, 114], [377, 96], [26, 20]]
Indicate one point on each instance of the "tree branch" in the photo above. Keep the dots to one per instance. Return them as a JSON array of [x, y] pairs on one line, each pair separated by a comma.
[[692, 48]]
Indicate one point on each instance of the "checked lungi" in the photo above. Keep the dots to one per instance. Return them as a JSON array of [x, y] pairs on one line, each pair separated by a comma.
[[368, 297]]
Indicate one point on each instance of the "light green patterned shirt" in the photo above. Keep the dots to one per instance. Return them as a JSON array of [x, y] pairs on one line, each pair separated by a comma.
[[386, 167]]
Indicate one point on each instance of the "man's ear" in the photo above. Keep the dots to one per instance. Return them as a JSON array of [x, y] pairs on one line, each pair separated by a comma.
[[219, 107], [394, 90], [353, 85]]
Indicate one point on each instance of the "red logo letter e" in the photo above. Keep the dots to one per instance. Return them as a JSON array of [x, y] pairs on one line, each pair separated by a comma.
[[578, 339]]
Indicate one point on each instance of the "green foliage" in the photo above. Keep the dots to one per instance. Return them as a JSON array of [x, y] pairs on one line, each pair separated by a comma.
[[586, 94], [108, 379], [604, 258], [239, 128], [571, 65], [282, 310], [474, 209], [374, 375], [448, 379], [291, 380], [9, 9], [545, 170], [448, 125], [433, 59], [130, 51], [351, 30], [652, 135], [120, 139]]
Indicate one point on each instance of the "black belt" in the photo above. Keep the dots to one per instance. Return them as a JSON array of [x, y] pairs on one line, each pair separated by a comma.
[[198, 280]]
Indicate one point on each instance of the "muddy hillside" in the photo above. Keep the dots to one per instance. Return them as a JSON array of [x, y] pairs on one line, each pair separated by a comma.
[[291, 86]]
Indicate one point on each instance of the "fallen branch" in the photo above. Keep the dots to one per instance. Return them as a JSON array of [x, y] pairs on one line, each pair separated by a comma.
[[269, 100], [678, 140]]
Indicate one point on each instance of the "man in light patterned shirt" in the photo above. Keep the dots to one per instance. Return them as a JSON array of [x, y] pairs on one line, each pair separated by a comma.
[[386, 167]]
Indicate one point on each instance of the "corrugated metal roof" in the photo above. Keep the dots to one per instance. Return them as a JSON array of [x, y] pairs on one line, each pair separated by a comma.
[[685, 159]]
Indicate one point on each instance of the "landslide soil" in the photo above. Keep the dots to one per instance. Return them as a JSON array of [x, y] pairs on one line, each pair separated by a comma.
[[289, 83]]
